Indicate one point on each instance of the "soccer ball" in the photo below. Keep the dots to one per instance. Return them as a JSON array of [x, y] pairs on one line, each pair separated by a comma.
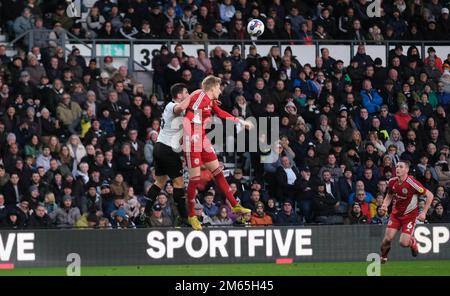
[[255, 27]]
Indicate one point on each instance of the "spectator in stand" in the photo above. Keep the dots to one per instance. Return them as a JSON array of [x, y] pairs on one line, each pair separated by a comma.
[[13, 220], [203, 62], [61, 17], [209, 207], [198, 34], [402, 118], [121, 220], [324, 207], [128, 31], [288, 33], [433, 57], [304, 34], [381, 217], [295, 18], [69, 113], [39, 218], [260, 217], [204, 219], [222, 217], [439, 215], [227, 12], [67, 215], [356, 215], [360, 198], [371, 100], [157, 219], [3, 210], [442, 95], [94, 21], [287, 179], [359, 186], [287, 215], [218, 32], [357, 32], [24, 22], [270, 31], [173, 72], [205, 18]]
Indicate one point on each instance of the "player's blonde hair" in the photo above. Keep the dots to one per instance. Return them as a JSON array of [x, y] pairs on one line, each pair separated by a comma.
[[210, 81]]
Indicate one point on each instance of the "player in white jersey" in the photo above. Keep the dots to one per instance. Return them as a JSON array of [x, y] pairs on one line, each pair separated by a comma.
[[166, 154]]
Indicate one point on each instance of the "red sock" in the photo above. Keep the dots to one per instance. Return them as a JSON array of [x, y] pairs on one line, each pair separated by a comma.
[[223, 185], [192, 186]]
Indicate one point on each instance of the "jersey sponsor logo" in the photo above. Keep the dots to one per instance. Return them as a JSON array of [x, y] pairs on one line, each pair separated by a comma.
[[400, 196]]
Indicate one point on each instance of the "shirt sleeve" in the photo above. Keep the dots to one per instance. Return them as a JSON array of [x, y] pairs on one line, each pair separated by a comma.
[[416, 185], [223, 114]]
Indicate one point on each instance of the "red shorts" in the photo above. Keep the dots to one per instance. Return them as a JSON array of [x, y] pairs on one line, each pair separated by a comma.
[[199, 154], [404, 222]]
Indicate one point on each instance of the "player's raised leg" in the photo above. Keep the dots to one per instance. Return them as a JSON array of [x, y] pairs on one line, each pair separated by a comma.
[[219, 178], [409, 241]]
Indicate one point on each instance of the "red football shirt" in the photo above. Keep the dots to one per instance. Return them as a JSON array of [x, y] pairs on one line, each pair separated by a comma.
[[405, 195], [201, 108]]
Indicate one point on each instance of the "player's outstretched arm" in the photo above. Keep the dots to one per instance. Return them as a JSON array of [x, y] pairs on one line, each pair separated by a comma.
[[225, 115], [429, 195]]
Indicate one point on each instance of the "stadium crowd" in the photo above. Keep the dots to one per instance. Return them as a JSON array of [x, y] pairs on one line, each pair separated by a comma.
[[76, 141]]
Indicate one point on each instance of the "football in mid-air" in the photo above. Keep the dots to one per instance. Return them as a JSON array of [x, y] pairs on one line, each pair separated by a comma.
[[255, 27]]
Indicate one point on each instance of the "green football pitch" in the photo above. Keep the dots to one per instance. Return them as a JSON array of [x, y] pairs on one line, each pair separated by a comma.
[[392, 268]]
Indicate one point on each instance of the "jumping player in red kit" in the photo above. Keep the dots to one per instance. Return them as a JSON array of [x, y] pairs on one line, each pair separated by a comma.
[[197, 147], [404, 191]]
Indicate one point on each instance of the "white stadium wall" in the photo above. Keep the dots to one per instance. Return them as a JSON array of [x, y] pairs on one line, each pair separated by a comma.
[[142, 53]]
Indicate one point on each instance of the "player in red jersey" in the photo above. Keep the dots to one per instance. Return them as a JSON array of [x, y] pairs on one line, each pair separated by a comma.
[[199, 150], [403, 190]]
